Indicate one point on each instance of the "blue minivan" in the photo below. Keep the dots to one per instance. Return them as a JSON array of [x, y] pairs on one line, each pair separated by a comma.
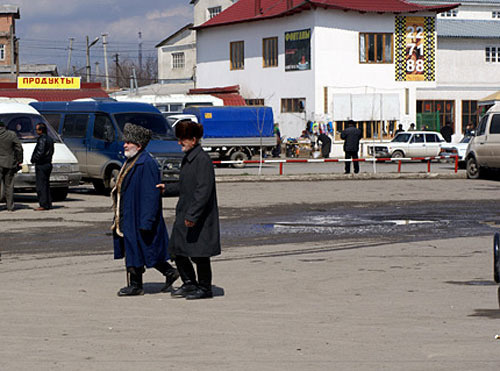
[[93, 132]]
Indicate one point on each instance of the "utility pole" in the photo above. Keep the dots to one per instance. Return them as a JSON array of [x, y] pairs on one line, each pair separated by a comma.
[[12, 58], [88, 55], [140, 51], [17, 57], [117, 66], [70, 50], [97, 72], [104, 45]]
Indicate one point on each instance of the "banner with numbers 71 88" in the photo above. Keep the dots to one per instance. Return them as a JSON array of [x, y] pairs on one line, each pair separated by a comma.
[[415, 48]]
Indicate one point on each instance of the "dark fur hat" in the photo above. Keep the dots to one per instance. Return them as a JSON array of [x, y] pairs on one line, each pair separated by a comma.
[[136, 134], [187, 129]]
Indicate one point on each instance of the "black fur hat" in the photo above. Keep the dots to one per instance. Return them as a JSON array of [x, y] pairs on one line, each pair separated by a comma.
[[187, 129], [136, 134]]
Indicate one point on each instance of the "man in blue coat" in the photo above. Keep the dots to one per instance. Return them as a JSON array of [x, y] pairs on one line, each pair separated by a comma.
[[139, 231]]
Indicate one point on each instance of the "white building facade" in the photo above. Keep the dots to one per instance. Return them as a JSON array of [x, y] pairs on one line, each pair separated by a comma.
[[336, 87]]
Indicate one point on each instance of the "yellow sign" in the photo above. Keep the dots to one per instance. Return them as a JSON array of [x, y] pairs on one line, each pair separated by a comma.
[[48, 82], [208, 115]]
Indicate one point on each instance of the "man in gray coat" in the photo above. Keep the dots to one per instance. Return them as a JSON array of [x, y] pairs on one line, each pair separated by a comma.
[[195, 234], [11, 157]]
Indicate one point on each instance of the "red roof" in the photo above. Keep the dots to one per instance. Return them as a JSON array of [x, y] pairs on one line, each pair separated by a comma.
[[229, 94], [88, 90], [249, 10]]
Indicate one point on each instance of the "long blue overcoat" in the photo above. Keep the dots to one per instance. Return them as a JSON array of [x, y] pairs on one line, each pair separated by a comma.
[[145, 236]]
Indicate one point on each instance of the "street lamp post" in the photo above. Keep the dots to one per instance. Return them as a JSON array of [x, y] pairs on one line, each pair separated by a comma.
[[88, 55]]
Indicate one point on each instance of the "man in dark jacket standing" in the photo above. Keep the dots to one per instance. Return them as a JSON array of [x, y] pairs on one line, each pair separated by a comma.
[[139, 231], [42, 159], [11, 156], [352, 136], [196, 234], [326, 144], [447, 132]]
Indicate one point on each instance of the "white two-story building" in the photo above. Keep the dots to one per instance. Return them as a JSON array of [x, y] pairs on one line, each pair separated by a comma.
[[324, 60]]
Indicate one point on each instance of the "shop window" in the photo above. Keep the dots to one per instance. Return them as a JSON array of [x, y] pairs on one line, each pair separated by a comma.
[[237, 55], [470, 113], [444, 111], [375, 48], [293, 105], [270, 52]]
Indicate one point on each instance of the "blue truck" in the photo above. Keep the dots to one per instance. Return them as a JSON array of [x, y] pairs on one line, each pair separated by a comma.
[[93, 132], [232, 133]]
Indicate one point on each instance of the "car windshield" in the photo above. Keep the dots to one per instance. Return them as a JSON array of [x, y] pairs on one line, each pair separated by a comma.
[[401, 138], [466, 139], [23, 124], [155, 122]]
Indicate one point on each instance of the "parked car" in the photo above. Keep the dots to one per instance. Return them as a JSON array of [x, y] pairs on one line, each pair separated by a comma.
[[457, 149], [93, 131], [409, 144], [22, 119], [483, 152]]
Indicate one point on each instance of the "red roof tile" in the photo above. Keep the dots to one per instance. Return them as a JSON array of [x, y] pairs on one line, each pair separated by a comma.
[[229, 94], [247, 10], [88, 90]]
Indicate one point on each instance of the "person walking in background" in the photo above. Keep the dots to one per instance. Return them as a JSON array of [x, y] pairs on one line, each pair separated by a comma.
[[139, 232], [277, 150], [351, 136], [195, 235], [326, 144], [412, 127], [11, 158], [447, 132], [42, 159], [399, 130]]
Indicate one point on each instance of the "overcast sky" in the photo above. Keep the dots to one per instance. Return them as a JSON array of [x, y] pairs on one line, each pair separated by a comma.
[[45, 27]]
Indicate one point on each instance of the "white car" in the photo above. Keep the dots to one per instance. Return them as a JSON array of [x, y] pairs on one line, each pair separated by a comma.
[[457, 149], [409, 144]]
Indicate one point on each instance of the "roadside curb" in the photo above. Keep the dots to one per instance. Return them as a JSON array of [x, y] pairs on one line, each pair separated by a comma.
[[320, 177]]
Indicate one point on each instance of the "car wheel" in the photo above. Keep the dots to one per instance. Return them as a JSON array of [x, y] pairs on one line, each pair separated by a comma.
[[473, 169], [59, 194], [397, 154], [496, 257], [238, 156], [99, 186]]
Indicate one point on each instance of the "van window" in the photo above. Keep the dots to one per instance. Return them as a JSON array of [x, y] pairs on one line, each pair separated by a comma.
[[103, 128], [53, 119], [482, 126], [495, 124], [24, 126], [75, 125], [154, 122]]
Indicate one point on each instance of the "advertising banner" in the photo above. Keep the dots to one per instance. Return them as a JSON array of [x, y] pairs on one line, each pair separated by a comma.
[[415, 49], [48, 82], [298, 50]]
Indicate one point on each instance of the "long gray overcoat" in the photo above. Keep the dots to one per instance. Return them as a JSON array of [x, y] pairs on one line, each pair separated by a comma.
[[197, 203]]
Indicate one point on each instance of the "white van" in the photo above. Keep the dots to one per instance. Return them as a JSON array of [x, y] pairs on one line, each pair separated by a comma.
[[483, 151], [22, 119]]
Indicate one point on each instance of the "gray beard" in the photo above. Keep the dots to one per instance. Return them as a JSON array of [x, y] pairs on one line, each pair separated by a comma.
[[131, 153]]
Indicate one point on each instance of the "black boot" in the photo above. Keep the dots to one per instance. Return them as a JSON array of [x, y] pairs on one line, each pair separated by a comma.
[[187, 288], [135, 282], [171, 274]]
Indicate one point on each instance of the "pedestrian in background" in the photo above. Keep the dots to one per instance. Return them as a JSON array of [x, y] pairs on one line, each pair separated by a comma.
[[412, 127], [195, 235], [42, 159], [11, 158], [399, 130], [139, 232], [351, 136], [447, 132], [277, 150], [326, 144]]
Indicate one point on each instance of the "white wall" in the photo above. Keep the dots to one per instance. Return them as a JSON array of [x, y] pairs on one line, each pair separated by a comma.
[[201, 14], [182, 43]]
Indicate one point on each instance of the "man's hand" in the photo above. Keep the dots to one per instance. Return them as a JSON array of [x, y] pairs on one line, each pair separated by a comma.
[[161, 187], [189, 223]]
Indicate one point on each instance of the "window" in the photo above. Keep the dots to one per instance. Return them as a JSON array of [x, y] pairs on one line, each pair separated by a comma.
[[435, 113], [293, 104], [495, 124], [103, 128], [270, 52], [492, 54], [470, 113], [177, 60], [417, 138], [237, 55], [53, 119], [495, 14], [450, 13], [255, 102], [375, 48], [482, 126], [212, 12], [75, 125], [2, 52], [431, 138]]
